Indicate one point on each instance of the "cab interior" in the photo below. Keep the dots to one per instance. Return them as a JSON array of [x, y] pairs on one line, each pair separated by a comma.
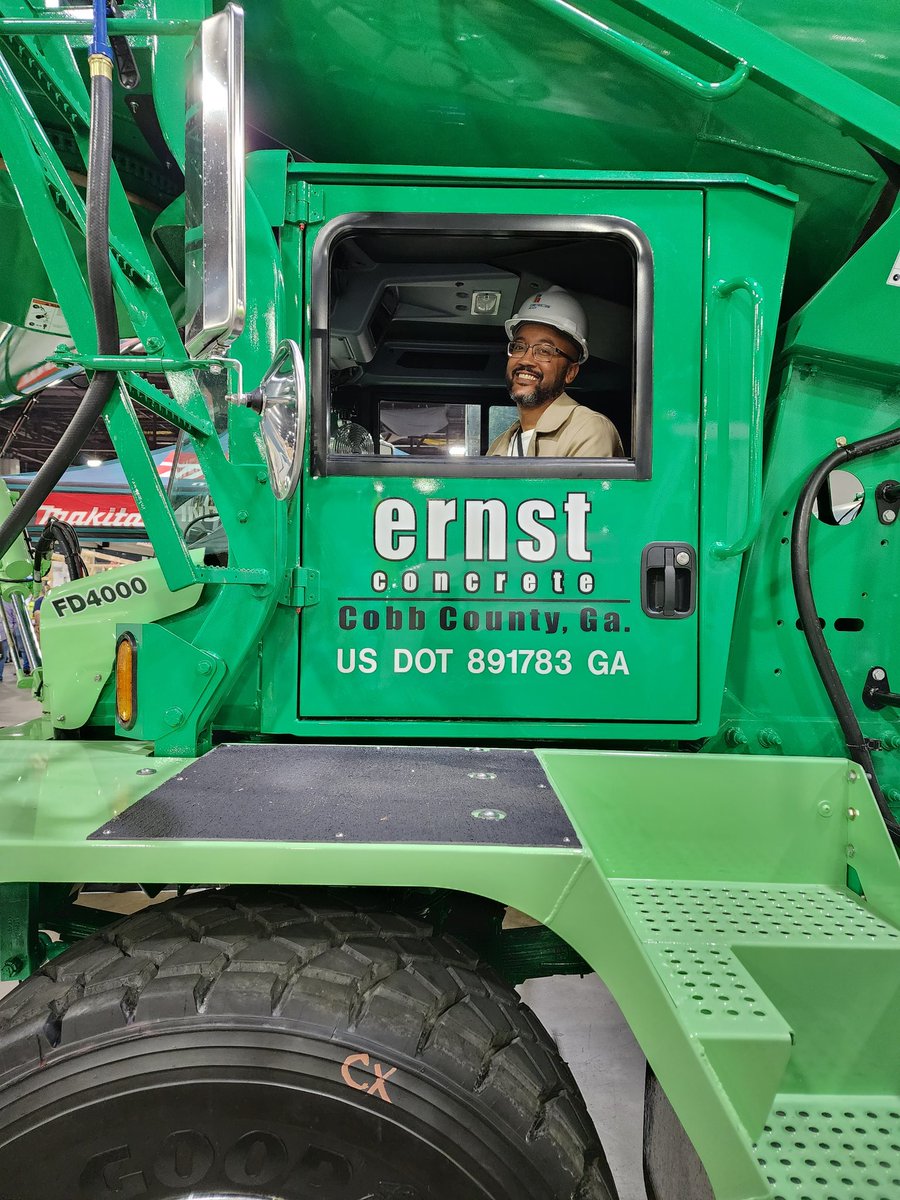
[[417, 346]]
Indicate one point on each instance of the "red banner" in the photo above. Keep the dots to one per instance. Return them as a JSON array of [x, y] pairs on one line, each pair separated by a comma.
[[91, 510]]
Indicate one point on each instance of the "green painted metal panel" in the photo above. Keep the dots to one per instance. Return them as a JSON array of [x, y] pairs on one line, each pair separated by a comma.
[[732, 886], [590, 651], [20, 947], [657, 833], [78, 632], [17, 562], [868, 343], [500, 85], [856, 1054], [29, 281], [727, 464], [772, 684]]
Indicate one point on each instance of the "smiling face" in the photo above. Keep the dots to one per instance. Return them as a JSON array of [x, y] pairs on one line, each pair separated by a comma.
[[533, 383]]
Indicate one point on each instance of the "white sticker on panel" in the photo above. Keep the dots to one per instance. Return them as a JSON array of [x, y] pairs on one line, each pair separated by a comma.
[[46, 315]]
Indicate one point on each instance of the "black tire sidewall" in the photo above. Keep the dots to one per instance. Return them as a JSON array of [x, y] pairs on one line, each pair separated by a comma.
[[251, 1108]]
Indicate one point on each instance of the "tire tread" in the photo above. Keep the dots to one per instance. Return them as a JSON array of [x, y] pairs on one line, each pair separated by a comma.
[[383, 976]]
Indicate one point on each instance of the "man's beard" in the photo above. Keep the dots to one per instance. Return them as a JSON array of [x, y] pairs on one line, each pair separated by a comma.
[[542, 394]]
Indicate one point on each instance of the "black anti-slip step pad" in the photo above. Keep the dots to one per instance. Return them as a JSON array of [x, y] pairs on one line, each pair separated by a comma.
[[303, 793]]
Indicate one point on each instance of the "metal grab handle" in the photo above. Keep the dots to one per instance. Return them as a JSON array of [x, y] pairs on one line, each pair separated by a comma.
[[707, 89], [758, 364]]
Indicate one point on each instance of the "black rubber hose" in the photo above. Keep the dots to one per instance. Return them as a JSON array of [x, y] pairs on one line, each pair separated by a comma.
[[100, 285], [857, 745], [64, 537]]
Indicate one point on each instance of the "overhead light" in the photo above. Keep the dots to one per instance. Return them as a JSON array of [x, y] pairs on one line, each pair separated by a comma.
[[456, 451], [486, 304], [94, 462]]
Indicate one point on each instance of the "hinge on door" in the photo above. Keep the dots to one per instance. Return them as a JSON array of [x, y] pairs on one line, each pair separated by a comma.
[[305, 204], [301, 588]]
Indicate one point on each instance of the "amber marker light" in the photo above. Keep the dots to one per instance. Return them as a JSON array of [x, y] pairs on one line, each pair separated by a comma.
[[126, 680]]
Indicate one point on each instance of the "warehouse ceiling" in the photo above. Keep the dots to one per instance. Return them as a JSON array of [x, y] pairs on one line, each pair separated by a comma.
[[31, 428]]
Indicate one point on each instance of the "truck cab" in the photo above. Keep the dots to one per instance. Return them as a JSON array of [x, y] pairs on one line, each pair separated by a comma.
[[436, 576], [391, 722]]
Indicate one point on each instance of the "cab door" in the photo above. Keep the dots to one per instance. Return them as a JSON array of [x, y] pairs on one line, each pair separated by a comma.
[[499, 591]]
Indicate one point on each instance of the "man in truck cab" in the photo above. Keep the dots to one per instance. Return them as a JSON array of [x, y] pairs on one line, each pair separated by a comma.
[[547, 346]]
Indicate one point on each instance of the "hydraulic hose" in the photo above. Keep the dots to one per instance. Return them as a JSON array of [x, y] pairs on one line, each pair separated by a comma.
[[101, 291], [64, 537], [857, 746]]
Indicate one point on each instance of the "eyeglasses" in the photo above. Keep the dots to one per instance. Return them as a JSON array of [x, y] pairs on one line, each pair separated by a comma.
[[543, 351]]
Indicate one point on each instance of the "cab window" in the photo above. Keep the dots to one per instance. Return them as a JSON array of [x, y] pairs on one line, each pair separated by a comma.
[[410, 349]]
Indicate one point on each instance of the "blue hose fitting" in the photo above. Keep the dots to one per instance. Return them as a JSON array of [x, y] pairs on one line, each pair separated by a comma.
[[100, 44]]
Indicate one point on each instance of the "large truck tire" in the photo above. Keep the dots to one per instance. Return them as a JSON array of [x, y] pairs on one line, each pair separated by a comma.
[[267, 1044]]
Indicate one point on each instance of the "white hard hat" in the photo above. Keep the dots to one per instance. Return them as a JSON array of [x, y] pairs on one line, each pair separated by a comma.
[[558, 308]]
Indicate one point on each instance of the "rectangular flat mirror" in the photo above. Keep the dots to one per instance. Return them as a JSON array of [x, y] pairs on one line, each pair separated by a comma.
[[214, 238]]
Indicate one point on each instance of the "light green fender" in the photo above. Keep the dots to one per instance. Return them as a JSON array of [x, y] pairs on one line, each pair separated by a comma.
[[78, 632], [15, 565]]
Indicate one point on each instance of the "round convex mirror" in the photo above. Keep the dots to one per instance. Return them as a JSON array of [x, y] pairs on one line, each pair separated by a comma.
[[840, 499], [282, 407]]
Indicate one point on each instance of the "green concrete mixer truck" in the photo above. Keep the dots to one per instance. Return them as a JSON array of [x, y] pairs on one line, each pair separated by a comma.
[[384, 676]]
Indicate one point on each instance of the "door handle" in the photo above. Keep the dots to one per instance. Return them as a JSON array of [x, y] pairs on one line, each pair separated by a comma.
[[668, 580]]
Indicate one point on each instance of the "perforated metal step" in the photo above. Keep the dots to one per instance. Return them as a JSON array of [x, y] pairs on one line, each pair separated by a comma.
[[788, 987], [715, 988], [692, 911], [832, 1148]]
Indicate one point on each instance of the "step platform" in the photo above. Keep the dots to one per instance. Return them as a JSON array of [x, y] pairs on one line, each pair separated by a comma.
[[757, 960], [796, 987]]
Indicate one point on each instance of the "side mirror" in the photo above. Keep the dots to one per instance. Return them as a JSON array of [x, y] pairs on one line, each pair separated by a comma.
[[281, 402], [214, 237]]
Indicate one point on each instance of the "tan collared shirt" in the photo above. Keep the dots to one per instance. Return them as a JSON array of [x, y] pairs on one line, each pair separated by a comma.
[[566, 429]]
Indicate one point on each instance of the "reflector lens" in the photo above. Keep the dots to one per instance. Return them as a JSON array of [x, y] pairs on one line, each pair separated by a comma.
[[126, 681]]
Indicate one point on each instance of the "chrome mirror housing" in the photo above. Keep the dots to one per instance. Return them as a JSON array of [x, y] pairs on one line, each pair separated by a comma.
[[214, 235]]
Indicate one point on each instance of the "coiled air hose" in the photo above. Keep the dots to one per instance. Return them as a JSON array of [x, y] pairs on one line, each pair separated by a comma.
[[101, 291], [857, 746]]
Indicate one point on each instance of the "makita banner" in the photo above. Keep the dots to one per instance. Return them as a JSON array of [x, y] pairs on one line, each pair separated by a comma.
[[116, 513], [97, 500]]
